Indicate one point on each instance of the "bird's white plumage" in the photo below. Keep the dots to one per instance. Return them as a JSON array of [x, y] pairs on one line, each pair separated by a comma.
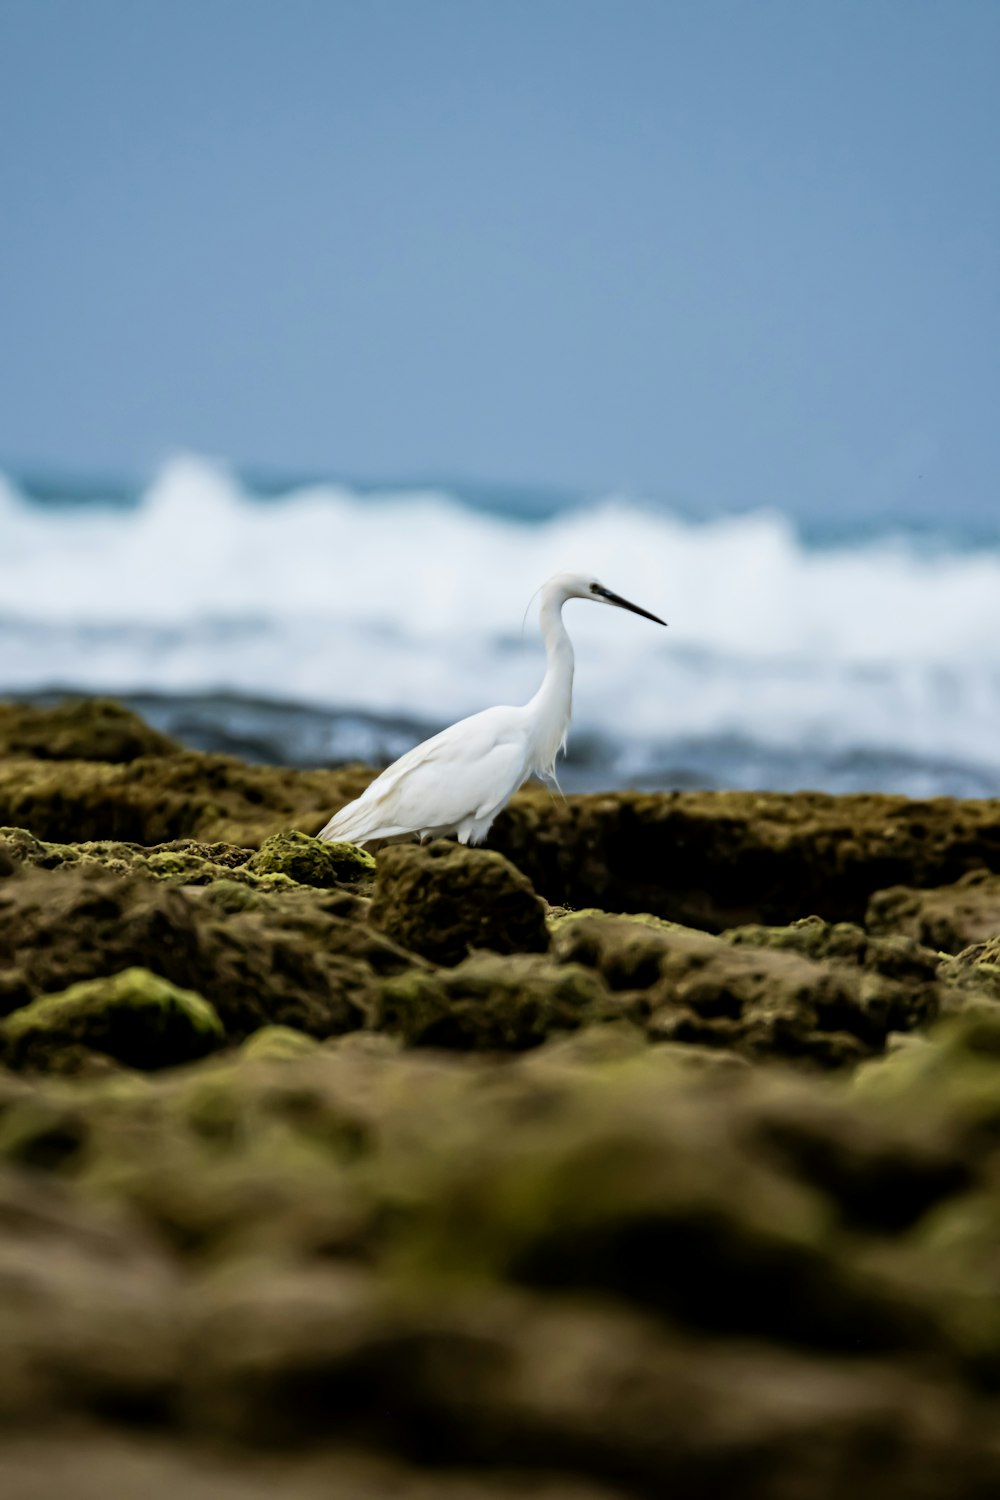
[[457, 781], [457, 778]]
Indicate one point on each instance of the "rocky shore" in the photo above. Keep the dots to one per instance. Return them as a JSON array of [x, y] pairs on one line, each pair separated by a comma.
[[652, 1150]]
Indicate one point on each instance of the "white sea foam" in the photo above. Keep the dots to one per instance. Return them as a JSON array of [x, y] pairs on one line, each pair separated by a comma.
[[412, 603]]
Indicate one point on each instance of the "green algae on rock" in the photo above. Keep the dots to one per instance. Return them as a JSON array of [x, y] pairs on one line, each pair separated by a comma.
[[134, 1017], [895, 956], [272, 1043], [975, 968], [288, 961], [310, 862], [183, 861], [153, 800], [948, 918], [763, 996], [491, 1003], [558, 916], [559, 1208], [443, 900], [567, 1260], [94, 1464], [79, 729], [715, 860]]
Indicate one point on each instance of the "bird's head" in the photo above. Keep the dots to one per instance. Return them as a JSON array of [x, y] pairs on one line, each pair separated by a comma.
[[581, 586]]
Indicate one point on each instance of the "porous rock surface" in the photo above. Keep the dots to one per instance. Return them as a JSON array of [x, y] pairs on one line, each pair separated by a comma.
[[948, 919], [443, 900], [314, 1183], [134, 1017], [715, 860]]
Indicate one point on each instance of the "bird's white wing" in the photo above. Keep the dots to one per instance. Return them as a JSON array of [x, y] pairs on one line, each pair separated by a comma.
[[466, 771]]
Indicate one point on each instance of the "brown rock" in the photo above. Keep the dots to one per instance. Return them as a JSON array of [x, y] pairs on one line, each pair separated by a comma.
[[491, 1003], [88, 1308], [947, 918], [79, 729], [442, 900], [761, 999], [715, 860], [155, 799], [98, 1463], [976, 968], [294, 965]]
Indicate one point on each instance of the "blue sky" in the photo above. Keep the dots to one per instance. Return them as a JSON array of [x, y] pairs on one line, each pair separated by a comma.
[[731, 252]]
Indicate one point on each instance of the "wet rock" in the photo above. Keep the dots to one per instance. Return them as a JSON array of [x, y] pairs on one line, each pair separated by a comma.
[[650, 1186], [558, 916], [759, 994], [274, 1043], [506, 1377], [154, 800], [79, 729], [489, 1003], [953, 1085], [89, 1309], [443, 900], [976, 968], [309, 862], [601, 1042], [628, 952], [62, 926], [897, 973], [609, 1267], [879, 1175], [895, 957], [955, 1076], [97, 1463], [182, 861], [948, 918], [134, 1017], [715, 860], [297, 965], [559, 1208]]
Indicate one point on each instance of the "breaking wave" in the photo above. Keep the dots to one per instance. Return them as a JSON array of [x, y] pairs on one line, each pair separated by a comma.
[[407, 606]]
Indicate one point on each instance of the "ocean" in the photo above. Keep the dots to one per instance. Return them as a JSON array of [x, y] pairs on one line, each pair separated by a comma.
[[312, 623]]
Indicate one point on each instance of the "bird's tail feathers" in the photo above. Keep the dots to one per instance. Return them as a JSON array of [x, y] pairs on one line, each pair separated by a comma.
[[346, 826]]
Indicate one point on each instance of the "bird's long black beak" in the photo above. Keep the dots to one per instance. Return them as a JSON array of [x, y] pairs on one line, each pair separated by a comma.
[[617, 599]]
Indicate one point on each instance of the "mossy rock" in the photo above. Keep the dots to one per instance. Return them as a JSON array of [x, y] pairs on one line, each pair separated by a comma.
[[975, 968], [897, 956], [489, 1003], [559, 917], [649, 1184], [277, 1044], [310, 862], [948, 918], [763, 998], [158, 799], [958, 1063], [79, 729], [721, 859], [286, 959], [135, 1017], [629, 954], [180, 862], [443, 900]]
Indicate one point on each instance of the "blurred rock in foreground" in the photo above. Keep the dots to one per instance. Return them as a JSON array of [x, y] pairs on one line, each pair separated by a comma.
[[653, 1150]]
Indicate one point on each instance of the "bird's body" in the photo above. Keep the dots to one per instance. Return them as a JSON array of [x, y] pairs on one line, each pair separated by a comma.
[[455, 783]]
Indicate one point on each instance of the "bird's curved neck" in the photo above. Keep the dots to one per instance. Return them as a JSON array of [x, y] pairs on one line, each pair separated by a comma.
[[552, 705]]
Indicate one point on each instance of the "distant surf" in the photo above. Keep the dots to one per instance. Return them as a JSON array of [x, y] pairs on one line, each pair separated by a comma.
[[327, 621]]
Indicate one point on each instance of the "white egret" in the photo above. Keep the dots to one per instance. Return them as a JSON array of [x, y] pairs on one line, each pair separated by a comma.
[[457, 781]]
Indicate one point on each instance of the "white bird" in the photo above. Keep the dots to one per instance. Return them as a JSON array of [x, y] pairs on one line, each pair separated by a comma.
[[457, 781]]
